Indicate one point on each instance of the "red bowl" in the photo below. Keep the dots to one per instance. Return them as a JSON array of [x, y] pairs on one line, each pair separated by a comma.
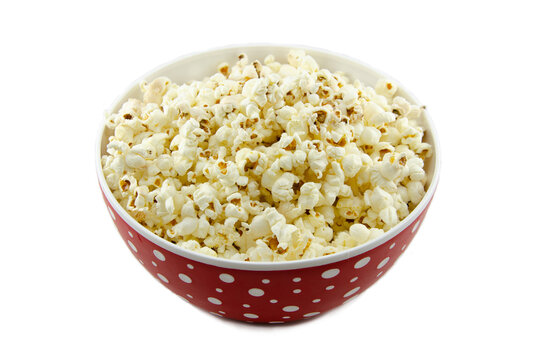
[[263, 291]]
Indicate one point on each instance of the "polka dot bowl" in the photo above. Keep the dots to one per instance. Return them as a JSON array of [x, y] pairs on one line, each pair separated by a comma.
[[266, 292]]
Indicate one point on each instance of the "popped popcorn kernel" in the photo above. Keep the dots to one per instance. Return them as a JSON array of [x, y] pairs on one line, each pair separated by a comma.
[[267, 160]]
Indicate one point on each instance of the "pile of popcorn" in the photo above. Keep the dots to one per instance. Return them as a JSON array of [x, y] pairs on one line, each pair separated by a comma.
[[267, 161]]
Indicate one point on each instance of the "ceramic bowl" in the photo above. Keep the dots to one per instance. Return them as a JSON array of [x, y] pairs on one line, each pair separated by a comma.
[[266, 292]]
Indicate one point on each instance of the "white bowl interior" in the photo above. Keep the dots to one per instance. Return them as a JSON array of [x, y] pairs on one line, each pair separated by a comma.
[[200, 65]]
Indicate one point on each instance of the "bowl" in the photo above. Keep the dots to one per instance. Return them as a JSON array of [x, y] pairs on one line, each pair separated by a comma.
[[264, 291]]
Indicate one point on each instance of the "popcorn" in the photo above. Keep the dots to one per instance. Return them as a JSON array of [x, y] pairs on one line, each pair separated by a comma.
[[351, 164], [267, 161], [416, 191], [309, 195], [318, 162], [186, 227], [282, 189], [135, 160], [204, 195], [370, 136]]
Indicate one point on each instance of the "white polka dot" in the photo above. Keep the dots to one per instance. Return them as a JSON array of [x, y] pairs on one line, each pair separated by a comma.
[[328, 274], [311, 314], [286, 317], [383, 262], [265, 281], [222, 312], [416, 226], [159, 255], [403, 248], [112, 213], [185, 278], [161, 277], [130, 234], [276, 322], [190, 266], [354, 279], [246, 305], [352, 292], [297, 279], [216, 314], [219, 290], [256, 292], [380, 273], [226, 278], [297, 291], [154, 263], [132, 246], [274, 301], [361, 263], [251, 316], [330, 287], [290, 308], [316, 300], [392, 246], [190, 296], [214, 301]]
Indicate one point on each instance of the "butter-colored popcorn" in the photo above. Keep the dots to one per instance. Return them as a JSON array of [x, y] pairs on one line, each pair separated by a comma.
[[267, 161], [378, 199], [317, 162], [351, 164], [309, 195], [349, 207], [416, 191], [282, 189], [134, 160], [153, 91], [370, 136], [385, 88]]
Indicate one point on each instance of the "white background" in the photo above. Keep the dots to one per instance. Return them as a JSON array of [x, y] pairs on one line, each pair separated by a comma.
[[466, 287]]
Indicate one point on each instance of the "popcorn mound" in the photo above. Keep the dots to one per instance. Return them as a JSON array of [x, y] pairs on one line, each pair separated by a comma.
[[267, 162]]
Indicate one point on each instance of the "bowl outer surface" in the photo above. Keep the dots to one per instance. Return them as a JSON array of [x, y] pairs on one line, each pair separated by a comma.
[[265, 296], [198, 278]]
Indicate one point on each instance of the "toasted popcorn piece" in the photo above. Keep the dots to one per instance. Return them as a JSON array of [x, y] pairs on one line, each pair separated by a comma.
[[375, 233], [290, 211], [204, 195], [378, 199], [335, 152], [415, 169], [393, 165], [318, 162], [370, 136], [416, 191], [282, 188], [309, 195], [374, 115], [389, 216], [187, 226], [400, 106], [260, 227], [208, 251], [261, 252], [360, 233], [351, 164], [267, 161], [349, 207], [153, 91], [385, 88], [134, 160]]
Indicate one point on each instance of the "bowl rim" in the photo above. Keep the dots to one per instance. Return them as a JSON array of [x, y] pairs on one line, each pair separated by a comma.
[[265, 265]]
